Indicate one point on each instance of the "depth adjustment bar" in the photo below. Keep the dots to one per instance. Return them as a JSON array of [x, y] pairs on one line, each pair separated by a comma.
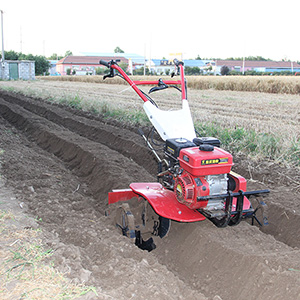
[[230, 217], [206, 198], [236, 219]]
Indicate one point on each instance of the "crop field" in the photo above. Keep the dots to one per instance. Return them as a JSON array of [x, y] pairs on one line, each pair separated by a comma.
[[264, 84], [263, 124], [65, 145]]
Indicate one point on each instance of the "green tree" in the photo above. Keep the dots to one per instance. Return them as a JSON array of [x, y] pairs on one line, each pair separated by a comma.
[[99, 71], [118, 50], [224, 70], [252, 58], [68, 53], [192, 71], [11, 55], [54, 56], [123, 66], [140, 71], [42, 65], [198, 57]]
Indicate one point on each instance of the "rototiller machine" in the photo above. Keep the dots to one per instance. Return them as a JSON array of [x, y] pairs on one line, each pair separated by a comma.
[[195, 180]]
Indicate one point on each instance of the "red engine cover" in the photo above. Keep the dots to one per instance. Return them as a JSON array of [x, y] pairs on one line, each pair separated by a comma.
[[188, 188], [202, 163]]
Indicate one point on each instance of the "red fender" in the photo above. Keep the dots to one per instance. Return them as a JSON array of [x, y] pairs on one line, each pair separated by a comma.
[[163, 201]]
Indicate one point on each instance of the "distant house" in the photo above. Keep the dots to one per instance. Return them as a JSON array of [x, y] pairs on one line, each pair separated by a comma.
[[135, 61], [135, 58], [84, 65], [164, 66], [258, 66], [52, 69], [87, 64]]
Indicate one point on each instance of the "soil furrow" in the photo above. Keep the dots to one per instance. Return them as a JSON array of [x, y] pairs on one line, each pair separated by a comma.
[[234, 263], [83, 156], [114, 137], [128, 144], [86, 246]]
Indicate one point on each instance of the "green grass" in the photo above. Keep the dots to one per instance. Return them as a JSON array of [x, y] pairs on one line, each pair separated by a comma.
[[26, 268], [266, 84], [250, 142], [235, 140]]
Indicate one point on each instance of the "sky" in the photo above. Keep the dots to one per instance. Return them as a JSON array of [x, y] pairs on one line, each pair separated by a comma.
[[155, 29]]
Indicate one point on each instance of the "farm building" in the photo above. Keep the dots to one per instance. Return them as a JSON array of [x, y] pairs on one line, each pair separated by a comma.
[[135, 58], [52, 69], [87, 64], [83, 65], [258, 66], [18, 69], [165, 66], [135, 61]]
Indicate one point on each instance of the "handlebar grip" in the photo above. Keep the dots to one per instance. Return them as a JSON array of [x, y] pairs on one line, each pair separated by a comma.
[[104, 63]]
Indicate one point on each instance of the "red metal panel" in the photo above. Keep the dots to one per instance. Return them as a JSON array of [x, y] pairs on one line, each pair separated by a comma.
[[155, 82], [131, 83], [183, 90], [120, 195], [240, 181], [164, 202], [202, 163], [246, 204]]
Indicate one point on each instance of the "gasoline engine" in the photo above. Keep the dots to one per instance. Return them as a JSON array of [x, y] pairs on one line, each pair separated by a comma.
[[200, 174]]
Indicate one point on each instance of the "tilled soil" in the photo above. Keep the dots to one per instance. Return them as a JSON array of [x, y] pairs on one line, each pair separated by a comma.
[[61, 164]]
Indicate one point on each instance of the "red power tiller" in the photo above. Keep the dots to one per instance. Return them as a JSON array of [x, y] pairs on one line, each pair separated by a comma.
[[195, 180]]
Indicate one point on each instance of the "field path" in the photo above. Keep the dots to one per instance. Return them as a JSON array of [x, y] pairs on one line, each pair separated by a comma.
[[263, 112]]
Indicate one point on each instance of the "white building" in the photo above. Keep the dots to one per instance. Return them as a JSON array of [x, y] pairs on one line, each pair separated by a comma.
[[17, 69]]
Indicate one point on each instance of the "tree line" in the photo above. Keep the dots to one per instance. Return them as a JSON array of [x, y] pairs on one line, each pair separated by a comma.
[[42, 63]]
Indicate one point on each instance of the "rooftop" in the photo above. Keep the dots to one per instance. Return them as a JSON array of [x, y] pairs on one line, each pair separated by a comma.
[[258, 63], [89, 60]]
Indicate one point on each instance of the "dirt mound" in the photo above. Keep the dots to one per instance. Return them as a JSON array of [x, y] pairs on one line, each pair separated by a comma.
[[62, 164]]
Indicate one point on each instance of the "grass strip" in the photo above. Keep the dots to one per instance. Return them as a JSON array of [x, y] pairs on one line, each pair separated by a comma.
[[235, 140], [25, 269], [256, 144], [265, 84]]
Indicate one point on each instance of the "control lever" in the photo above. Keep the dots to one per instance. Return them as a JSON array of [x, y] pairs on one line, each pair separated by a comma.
[[161, 86], [176, 63], [112, 73], [108, 64], [157, 88]]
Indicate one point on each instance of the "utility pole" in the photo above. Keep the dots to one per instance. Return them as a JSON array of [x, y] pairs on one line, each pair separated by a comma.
[[21, 39], [3, 56], [145, 59]]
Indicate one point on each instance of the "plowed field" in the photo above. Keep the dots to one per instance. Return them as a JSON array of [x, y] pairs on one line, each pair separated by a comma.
[[61, 163]]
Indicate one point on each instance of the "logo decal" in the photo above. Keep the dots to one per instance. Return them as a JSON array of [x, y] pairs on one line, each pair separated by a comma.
[[214, 161]]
